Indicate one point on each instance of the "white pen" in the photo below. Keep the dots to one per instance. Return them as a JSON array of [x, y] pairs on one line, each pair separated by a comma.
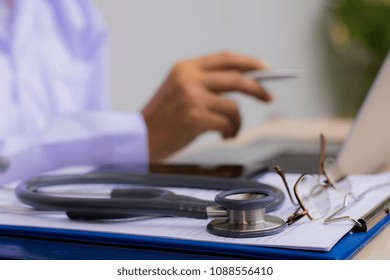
[[273, 74]]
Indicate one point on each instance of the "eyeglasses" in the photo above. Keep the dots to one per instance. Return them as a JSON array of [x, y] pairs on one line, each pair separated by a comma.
[[310, 191], [312, 197]]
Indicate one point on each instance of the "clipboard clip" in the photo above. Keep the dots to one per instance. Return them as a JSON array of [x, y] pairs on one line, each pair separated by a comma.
[[372, 217], [367, 221]]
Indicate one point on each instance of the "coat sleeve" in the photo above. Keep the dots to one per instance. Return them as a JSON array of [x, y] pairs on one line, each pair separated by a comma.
[[79, 139]]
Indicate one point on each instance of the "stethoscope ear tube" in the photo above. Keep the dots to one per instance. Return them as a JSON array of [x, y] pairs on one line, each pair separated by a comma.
[[242, 206], [114, 207], [28, 191]]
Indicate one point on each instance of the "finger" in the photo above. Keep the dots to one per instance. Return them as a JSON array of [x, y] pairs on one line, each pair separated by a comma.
[[225, 107], [217, 122], [226, 60], [225, 81]]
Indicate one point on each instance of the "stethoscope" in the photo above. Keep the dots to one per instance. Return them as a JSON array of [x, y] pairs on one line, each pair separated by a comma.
[[240, 209]]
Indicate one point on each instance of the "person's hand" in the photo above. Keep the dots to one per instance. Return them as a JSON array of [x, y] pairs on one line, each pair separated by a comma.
[[190, 102]]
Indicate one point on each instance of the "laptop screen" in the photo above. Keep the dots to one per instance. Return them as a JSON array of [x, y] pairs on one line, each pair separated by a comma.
[[367, 148]]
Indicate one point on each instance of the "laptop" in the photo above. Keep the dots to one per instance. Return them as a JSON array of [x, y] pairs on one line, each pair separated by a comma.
[[366, 150]]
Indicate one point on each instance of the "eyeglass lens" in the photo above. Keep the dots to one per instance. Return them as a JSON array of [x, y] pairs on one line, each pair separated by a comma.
[[312, 196], [332, 174]]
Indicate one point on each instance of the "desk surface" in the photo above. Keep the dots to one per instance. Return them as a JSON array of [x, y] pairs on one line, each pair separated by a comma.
[[336, 130], [378, 248]]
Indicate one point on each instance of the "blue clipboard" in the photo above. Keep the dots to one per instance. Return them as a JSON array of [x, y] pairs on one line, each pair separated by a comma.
[[18, 242]]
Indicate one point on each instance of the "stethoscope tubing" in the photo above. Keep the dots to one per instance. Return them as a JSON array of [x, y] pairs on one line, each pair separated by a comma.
[[28, 192]]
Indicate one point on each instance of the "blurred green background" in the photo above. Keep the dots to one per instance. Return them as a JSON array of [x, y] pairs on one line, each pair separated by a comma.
[[359, 36]]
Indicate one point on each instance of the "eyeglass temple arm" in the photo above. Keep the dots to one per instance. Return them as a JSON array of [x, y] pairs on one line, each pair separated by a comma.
[[333, 219], [322, 154], [280, 172]]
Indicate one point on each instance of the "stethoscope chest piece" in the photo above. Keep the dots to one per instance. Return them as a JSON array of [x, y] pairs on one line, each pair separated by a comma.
[[246, 215]]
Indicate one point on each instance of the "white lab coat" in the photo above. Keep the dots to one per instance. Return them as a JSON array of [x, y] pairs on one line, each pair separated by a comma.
[[54, 99]]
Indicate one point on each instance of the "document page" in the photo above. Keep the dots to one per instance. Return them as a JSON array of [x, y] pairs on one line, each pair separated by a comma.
[[304, 234]]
